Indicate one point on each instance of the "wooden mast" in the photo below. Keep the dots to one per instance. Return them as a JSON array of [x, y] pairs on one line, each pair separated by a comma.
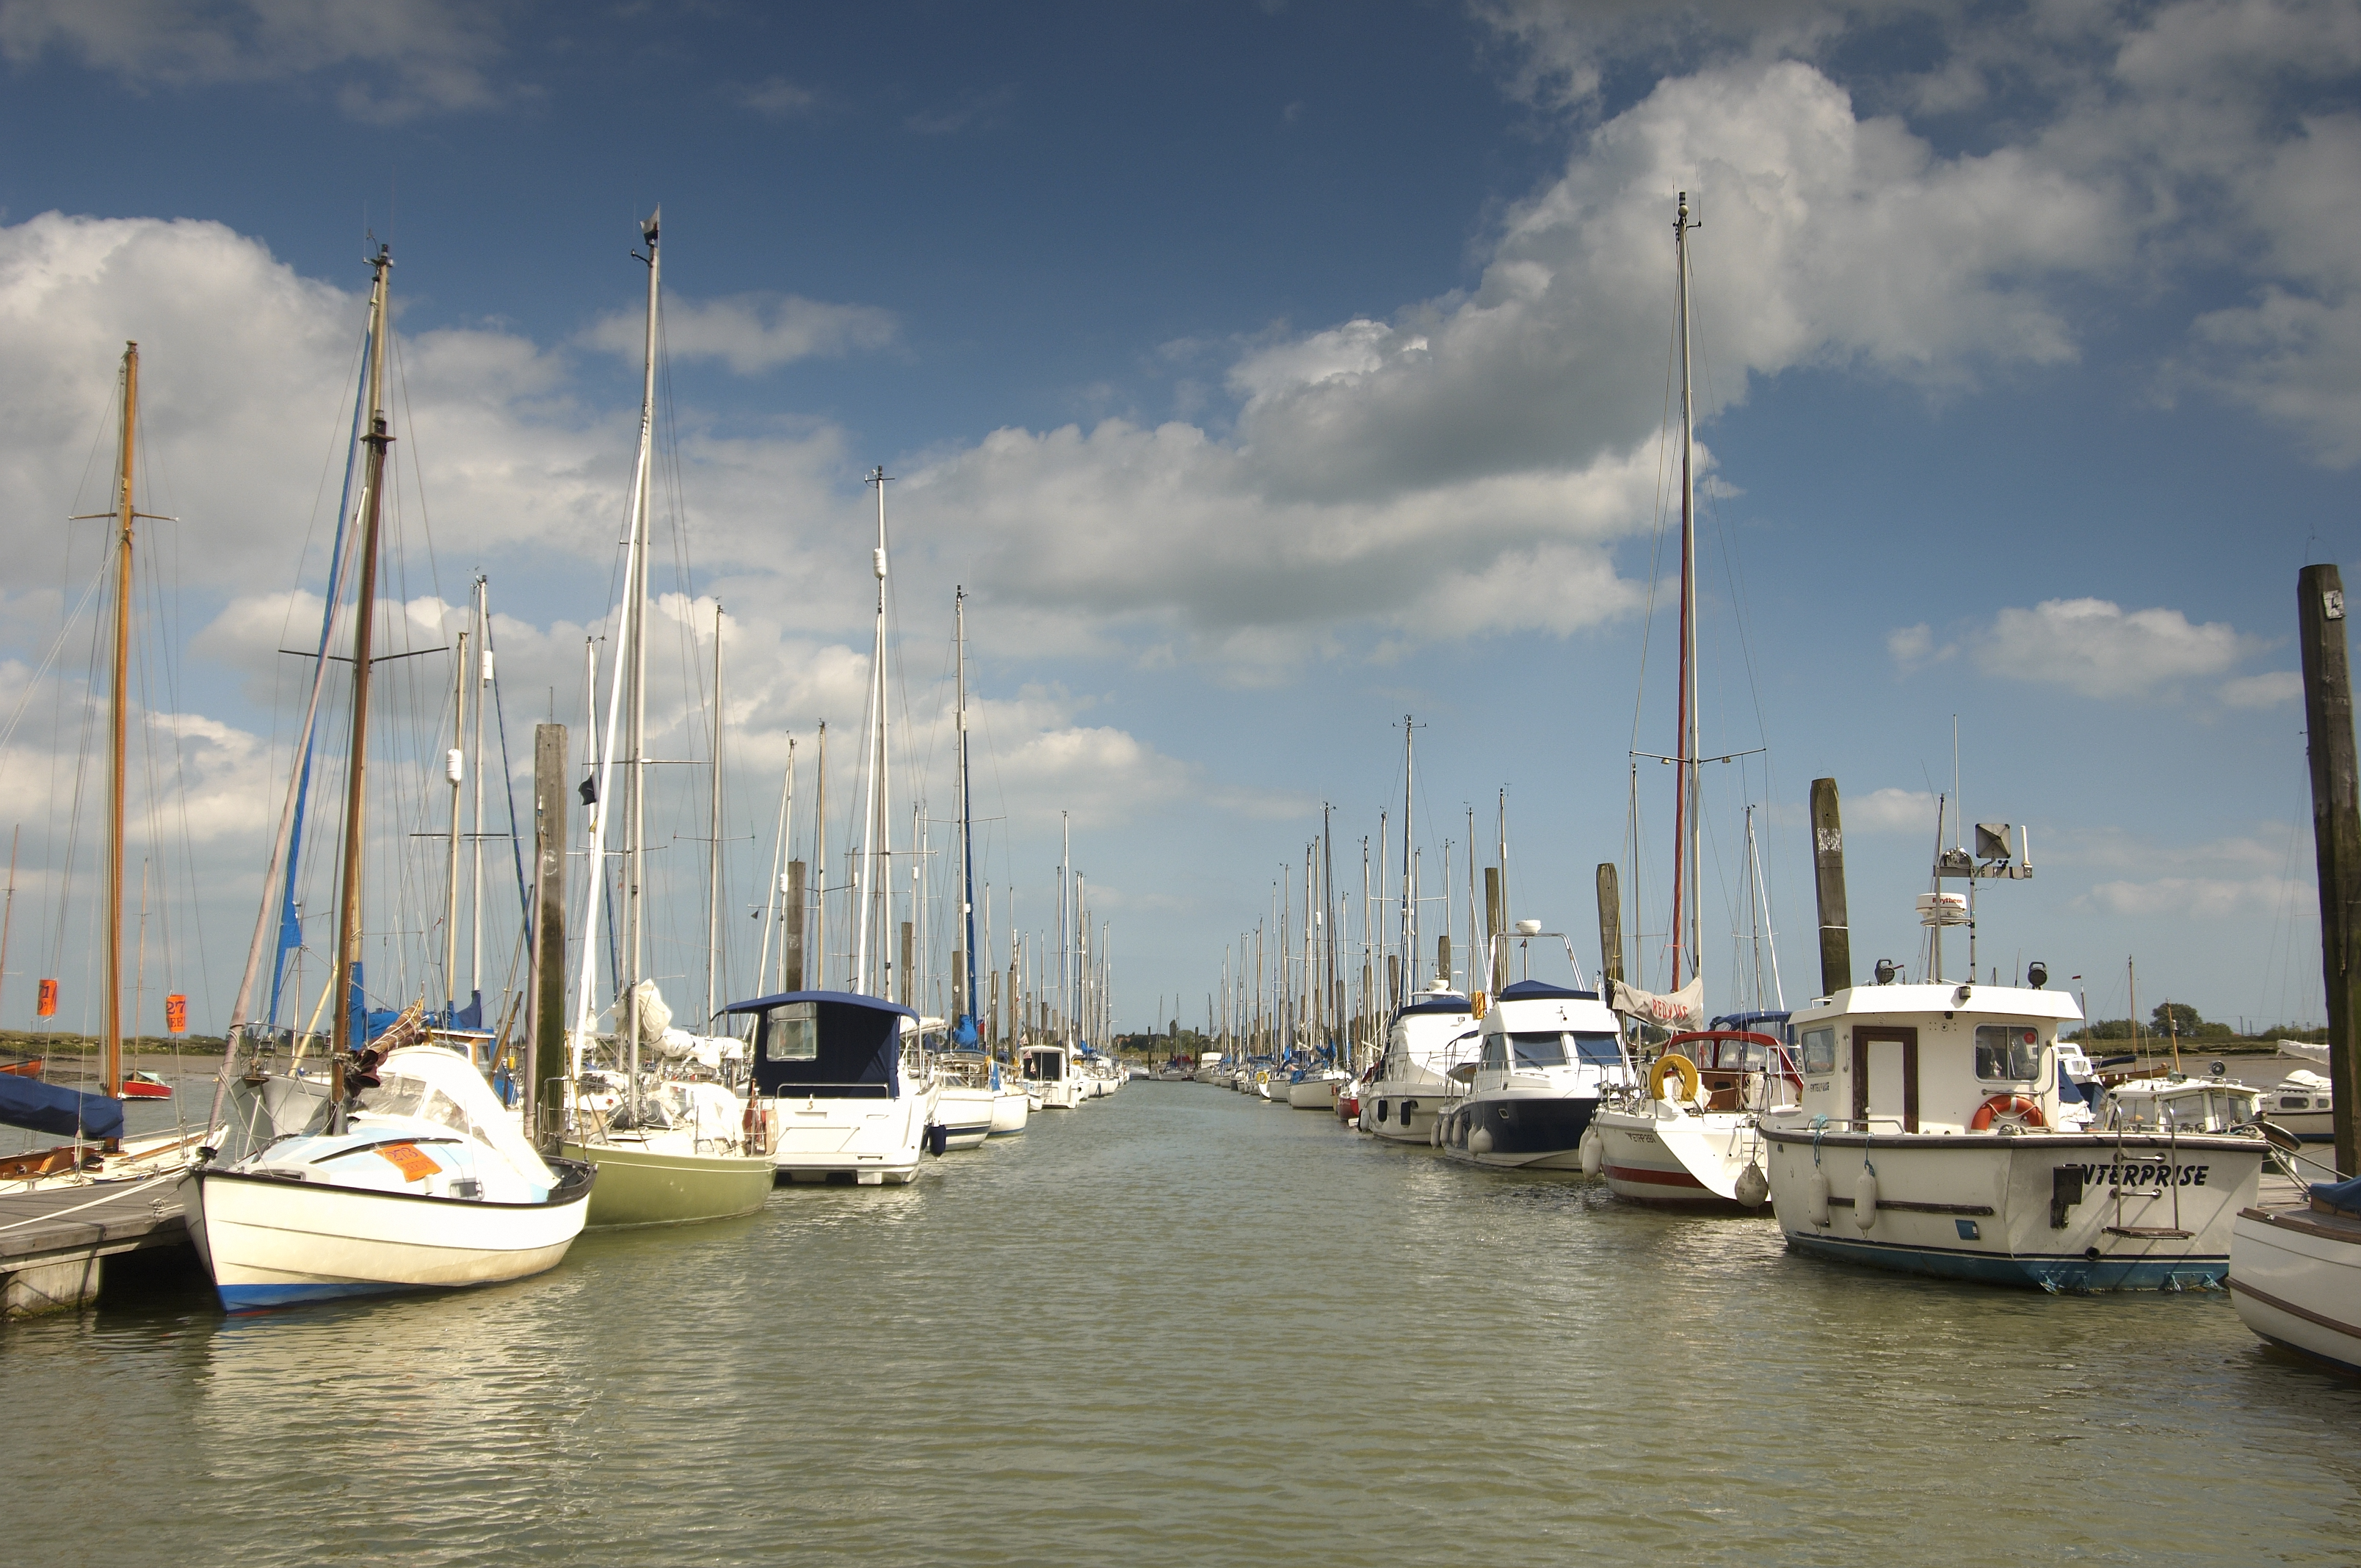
[[119, 731], [348, 913], [1686, 884]]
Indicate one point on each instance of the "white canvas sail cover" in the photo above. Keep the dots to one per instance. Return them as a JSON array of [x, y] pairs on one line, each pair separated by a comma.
[[1684, 1009]]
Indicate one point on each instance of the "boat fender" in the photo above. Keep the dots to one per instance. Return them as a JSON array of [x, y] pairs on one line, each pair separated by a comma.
[[1593, 1152], [1817, 1193], [1674, 1063], [1864, 1196], [1480, 1141], [939, 1139], [2016, 1105], [1754, 1186], [1434, 1134]]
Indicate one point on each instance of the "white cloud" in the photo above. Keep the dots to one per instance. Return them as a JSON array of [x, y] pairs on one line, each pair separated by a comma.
[[749, 333], [777, 98], [2095, 649], [391, 60], [2198, 898], [1890, 810], [2266, 690]]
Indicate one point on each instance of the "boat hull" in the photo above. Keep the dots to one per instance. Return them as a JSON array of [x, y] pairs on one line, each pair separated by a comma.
[[1011, 1109], [1517, 1131], [869, 1142], [2059, 1211], [1673, 1159], [653, 1186], [2295, 1277], [1315, 1094], [965, 1115], [271, 1242], [1405, 1118]]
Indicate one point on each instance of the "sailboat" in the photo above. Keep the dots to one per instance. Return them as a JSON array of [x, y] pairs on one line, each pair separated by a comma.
[[971, 1098], [1687, 1135], [844, 1088], [664, 1159], [95, 1120], [399, 1168]]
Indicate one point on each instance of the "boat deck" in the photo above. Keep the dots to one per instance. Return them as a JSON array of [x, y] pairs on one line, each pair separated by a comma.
[[53, 1239]]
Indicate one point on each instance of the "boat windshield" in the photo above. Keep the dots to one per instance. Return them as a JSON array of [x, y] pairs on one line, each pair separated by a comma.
[[2007, 1052], [1560, 1048]]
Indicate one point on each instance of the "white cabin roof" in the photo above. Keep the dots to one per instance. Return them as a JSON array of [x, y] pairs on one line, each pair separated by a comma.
[[1980, 1000]]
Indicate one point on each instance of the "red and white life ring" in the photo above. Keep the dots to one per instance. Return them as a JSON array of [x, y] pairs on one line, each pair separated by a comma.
[[2016, 1105]]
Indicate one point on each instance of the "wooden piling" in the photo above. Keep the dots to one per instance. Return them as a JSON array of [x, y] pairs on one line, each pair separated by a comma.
[[792, 967], [548, 1032], [1492, 943], [1828, 873], [2335, 832], [1611, 923]]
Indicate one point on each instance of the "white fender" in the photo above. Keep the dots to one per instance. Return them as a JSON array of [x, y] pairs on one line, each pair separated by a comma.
[[1594, 1151], [1864, 1198], [1480, 1141], [1753, 1187], [1817, 1194]]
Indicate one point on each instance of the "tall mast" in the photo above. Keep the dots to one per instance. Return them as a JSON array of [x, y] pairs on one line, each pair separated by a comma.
[[816, 949], [634, 667], [873, 883], [1686, 884], [1065, 929], [713, 844], [966, 811], [483, 690], [1332, 1003], [455, 768], [118, 729], [602, 790], [348, 912], [1409, 935]]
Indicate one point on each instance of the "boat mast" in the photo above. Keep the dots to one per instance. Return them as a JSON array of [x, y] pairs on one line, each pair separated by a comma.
[[348, 912], [454, 768], [483, 689], [1404, 984], [634, 668], [1331, 1005], [869, 874], [966, 813], [713, 844], [1687, 887], [118, 732]]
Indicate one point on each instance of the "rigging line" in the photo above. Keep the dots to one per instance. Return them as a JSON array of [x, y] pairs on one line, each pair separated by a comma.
[[33, 681]]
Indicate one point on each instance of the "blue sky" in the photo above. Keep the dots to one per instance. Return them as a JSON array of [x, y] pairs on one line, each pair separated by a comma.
[[1265, 372]]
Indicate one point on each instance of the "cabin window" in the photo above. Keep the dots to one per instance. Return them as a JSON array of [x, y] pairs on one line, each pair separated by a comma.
[[1820, 1051], [791, 1032], [1540, 1050], [2007, 1053], [1496, 1053]]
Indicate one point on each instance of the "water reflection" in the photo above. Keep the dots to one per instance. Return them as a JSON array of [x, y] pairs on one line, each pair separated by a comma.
[[1180, 1327]]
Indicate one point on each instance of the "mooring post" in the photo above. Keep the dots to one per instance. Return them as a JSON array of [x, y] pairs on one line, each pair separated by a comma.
[[792, 969], [547, 1052], [1611, 927], [1828, 873], [2335, 832], [1497, 949]]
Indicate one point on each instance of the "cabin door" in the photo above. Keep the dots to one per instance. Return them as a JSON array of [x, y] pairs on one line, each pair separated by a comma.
[[1885, 1078]]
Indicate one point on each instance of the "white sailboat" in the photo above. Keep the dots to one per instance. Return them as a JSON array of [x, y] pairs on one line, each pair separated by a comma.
[[403, 1173], [664, 1159], [1686, 1136]]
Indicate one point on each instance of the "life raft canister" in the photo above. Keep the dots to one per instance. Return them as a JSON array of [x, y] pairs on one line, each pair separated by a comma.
[[1674, 1063], [2016, 1105]]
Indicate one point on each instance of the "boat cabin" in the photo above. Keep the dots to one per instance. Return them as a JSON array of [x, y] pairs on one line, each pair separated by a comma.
[[1042, 1064], [1534, 1030], [2178, 1104], [1933, 1058], [829, 1045]]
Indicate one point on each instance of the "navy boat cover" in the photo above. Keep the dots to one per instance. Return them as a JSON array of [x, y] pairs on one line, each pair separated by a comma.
[[48, 1108]]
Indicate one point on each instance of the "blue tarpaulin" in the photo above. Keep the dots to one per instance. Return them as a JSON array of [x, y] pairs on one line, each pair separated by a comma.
[[48, 1108]]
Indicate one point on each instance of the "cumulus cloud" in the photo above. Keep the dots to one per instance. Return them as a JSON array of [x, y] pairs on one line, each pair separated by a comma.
[[2266, 690], [750, 333], [390, 61], [1890, 810], [2095, 648]]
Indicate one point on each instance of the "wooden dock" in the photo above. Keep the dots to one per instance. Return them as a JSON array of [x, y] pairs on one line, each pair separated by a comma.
[[54, 1240]]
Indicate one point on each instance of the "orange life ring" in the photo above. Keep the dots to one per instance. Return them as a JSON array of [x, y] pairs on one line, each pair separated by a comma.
[[2016, 1105]]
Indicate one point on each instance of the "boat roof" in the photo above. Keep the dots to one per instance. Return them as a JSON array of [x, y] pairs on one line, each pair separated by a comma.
[[841, 998], [1535, 989], [1436, 1001], [1994, 1001]]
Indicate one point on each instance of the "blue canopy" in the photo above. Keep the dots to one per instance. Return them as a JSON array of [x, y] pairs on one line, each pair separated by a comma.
[[2345, 1197], [1435, 1001], [49, 1108], [1535, 991], [832, 1044], [1768, 1021]]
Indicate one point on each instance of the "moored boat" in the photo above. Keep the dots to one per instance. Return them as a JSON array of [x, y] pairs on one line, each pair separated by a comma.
[[1545, 1055], [842, 1087], [2295, 1274]]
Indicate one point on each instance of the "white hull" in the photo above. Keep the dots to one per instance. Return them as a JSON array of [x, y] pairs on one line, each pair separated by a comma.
[[964, 1112], [2034, 1209], [271, 1242], [1675, 1159], [1315, 1093], [874, 1142], [1403, 1118], [2295, 1277], [1011, 1109]]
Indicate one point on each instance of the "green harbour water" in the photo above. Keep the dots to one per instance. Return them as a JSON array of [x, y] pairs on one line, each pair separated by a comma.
[[1179, 1326]]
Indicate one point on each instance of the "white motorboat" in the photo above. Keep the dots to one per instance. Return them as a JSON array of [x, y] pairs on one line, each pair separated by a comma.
[[1546, 1055], [1688, 1137], [1428, 1038], [1927, 1141], [2295, 1274], [1048, 1070], [966, 1098], [427, 1184], [845, 1088], [1011, 1103]]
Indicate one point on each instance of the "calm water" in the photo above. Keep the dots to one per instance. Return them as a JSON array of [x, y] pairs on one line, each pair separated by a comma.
[[1179, 1326]]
